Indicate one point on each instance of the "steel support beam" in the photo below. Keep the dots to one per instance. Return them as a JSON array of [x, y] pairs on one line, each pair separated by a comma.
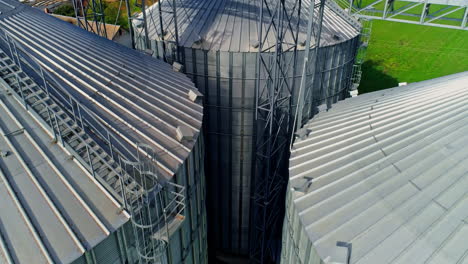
[[130, 25], [162, 16], [137, 24], [317, 39], [424, 12], [450, 16], [277, 20], [168, 28], [90, 16], [465, 18]]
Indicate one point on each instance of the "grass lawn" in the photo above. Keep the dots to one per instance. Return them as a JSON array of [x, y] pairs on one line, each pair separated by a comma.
[[400, 52]]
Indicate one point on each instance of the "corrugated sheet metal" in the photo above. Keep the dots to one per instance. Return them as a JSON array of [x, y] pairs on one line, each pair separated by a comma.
[[107, 252], [223, 67], [51, 209], [142, 98], [384, 177], [231, 25]]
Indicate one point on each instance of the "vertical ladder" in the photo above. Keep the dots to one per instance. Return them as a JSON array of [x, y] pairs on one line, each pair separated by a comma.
[[156, 204], [364, 39]]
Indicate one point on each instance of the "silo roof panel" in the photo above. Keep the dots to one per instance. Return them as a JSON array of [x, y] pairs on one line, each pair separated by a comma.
[[52, 210], [140, 97], [386, 173], [231, 25]]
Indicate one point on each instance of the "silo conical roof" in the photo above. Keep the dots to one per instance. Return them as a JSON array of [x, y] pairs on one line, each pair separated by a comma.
[[232, 25], [383, 177]]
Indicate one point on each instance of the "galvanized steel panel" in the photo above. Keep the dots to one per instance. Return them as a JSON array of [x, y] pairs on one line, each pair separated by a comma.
[[121, 85], [383, 174], [52, 207], [126, 89], [232, 25], [223, 67]]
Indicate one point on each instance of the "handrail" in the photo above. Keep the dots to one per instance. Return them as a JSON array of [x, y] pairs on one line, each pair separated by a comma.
[[58, 124], [60, 91], [116, 147], [138, 164]]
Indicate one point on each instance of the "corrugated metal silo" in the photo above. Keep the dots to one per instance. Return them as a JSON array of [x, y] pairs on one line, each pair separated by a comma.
[[217, 44], [382, 178], [130, 123]]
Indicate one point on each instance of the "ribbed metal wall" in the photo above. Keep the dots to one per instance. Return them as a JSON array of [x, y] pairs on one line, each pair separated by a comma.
[[187, 245], [81, 60], [227, 80], [380, 176], [296, 245]]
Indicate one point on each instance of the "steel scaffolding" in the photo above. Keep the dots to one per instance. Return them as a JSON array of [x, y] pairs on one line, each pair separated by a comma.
[[273, 114], [90, 16], [438, 13]]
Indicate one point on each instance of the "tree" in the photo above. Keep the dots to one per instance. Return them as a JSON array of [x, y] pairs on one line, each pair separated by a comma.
[[65, 10]]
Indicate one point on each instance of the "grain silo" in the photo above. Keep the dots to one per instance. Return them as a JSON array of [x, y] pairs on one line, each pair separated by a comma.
[[217, 46], [120, 139], [382, 178]]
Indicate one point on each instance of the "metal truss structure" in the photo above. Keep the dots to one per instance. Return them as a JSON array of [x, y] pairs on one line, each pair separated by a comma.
[[273, 115], [90, 16], [438, 13], [311, 32], [138, 24], [163, 31]]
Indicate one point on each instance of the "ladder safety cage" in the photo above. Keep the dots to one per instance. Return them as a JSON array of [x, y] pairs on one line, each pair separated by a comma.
[[154, 210], [361, 52], [128, 171]]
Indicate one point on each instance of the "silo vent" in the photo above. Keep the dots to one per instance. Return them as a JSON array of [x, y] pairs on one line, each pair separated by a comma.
[[336, 37], [198, 41], [184, 133], [177, 67], [164, 33], [322, 108], [303, 133], [303, 186], [255, 44], [148, 52], [139, 25], [194, 95]]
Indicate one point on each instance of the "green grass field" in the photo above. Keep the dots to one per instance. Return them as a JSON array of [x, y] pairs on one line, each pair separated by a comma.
[[401, 52]]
